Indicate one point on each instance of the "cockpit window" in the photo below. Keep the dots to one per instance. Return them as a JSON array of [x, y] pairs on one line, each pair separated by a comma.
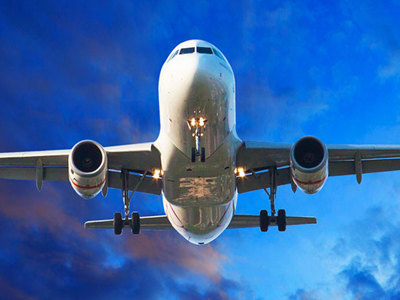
[[187, 50], [217, 53], [205, 50], [173, 55]]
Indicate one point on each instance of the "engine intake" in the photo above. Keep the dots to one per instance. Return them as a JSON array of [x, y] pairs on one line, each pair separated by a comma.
[[87, 165], [309, 164]]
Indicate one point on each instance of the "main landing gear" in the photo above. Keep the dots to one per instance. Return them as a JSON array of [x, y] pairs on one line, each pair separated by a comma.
[[265, 220], [134, 221]]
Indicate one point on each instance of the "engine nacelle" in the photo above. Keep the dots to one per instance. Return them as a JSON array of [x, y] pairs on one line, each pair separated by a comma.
[[87, 164], [309, 164]]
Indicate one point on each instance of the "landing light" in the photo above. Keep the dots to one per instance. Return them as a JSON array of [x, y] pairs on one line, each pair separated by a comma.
[[157, 173], [240, 172], [197, 122]]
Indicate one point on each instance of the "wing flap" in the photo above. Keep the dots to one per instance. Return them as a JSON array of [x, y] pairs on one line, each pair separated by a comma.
[[262, 180], [148, 185]]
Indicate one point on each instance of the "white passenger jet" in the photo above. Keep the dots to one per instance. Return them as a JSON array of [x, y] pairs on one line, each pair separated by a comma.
[[198, 163]]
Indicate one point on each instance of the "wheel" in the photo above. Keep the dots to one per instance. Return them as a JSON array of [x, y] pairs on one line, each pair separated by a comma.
[[135, 223], [203, 154], [264, 220], [118, 223], [193, 155], [281, 220]]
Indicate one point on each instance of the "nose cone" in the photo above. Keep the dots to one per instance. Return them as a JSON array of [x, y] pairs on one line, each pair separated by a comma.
[[196, 59], [189, 75]]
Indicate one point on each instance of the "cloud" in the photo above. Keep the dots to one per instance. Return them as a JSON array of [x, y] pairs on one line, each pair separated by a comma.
[[369, 256], [166, 248], [361, 282], [44, 239]]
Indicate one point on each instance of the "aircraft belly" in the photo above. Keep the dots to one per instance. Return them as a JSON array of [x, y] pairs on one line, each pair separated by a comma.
[[201, 190], [200, 224]]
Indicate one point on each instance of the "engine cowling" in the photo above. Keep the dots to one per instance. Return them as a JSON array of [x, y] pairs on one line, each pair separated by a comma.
[[309, 164], [87, 165]]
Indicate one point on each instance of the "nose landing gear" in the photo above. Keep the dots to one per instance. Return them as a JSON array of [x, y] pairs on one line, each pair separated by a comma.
[[196, 126]]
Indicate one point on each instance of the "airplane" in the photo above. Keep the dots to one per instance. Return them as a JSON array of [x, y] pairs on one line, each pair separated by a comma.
[[198, 164]]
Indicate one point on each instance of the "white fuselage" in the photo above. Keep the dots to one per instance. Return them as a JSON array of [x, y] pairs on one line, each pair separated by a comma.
[[199, 197]]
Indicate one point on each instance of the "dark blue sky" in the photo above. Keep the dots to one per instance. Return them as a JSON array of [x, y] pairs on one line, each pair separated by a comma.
[[72, 70]]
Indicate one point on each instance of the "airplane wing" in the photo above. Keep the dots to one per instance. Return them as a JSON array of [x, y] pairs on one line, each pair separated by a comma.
[[258, 157], [238, 221], [53, 166]]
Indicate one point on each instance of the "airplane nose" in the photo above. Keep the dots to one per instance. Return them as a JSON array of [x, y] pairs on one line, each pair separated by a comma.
[[197, 67], [188, 74]]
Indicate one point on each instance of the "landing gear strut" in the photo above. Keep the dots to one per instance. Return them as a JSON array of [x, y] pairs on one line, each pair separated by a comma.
[[272, 190], [134, 222], [196, 126], [266, 220]]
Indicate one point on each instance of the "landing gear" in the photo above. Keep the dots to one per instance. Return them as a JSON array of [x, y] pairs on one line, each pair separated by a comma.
[[193, 155], [266, 220], [281, 220], [134, 222], [203, 154], [118, 223], [196, 126]]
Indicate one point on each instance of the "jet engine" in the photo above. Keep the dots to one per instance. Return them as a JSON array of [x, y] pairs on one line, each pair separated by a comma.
[[87, 164], [309, 164]]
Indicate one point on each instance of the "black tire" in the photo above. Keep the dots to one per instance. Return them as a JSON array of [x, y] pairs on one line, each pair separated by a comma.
[[264, 221], [118, 223], [203, 154], [135, 223], [193, 155], [281, 220]]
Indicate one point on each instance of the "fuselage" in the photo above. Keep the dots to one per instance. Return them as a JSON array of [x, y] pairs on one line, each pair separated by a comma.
[[197, 83]]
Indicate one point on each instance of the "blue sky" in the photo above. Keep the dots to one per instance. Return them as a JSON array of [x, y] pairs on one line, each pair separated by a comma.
[[72, 70]]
